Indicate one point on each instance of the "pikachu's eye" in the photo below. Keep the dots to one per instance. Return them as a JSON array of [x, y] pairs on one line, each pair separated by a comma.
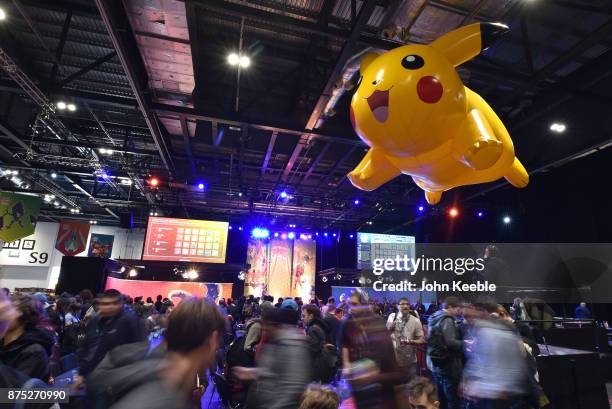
[[413, 62]]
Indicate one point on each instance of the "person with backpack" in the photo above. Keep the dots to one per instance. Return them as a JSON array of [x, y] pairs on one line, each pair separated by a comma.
[[445, 353], [324, 355], [406, 334]]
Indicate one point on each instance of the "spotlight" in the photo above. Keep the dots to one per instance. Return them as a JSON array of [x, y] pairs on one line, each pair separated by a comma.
[[127, 182], [154, 182], [233, 59], [53, 175], [303, 236], [104, 175], [351, 235], [325, 234], [284, 236], [260, 233], [133, 272], [317, 233], [245, 61], [291, 235], [241, 275], [122, 269], [239, 194], [61, 105], [56, 203], [276, 234], [557, 127], [453, 212], [283, 194], [240, 228], [507, 220], [71, 107], [192, 274], [310, 236], [356, 202], [105, 151], [480, 213], [421, 208], [201, 186], [230, 227], [369, 222], [2, 14], [324, 279], [334, 234]]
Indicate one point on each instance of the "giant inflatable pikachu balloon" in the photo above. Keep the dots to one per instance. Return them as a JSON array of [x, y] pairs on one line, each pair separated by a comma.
[[419, 119]]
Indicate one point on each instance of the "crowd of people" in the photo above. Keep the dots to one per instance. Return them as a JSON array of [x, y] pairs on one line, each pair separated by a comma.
[[266, 353]]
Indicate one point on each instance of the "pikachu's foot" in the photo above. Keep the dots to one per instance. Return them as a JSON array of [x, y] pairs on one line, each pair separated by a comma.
[[360, 181], [483, 154], [517, 176], [433, 197]]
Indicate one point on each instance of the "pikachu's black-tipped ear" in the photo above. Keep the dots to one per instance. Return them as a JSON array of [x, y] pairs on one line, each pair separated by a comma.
[[366, 61], [467, 42]]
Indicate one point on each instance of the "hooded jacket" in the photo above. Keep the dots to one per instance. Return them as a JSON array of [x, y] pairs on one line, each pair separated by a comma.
[[29, 353], [104, 334], [453, 343], [317, 332], [128, 377]]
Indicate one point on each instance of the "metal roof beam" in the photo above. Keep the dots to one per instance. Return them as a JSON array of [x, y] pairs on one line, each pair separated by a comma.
[[87, 68], [130, 61], [188, 149]]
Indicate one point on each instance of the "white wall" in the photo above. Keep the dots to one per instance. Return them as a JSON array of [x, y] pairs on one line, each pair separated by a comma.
[[18, 272]]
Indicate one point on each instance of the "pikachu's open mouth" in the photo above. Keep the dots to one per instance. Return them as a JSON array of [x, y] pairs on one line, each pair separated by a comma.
[[379, 104]]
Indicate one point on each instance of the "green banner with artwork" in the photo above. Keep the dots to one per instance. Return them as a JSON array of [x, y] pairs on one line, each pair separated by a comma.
[[18, 215]]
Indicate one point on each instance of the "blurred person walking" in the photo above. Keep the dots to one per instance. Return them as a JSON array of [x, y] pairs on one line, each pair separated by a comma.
[[140, 376], [324, 355], [112, 326], [368, 357], [496, 374], [445, 353], [283, 367], [25, 346]]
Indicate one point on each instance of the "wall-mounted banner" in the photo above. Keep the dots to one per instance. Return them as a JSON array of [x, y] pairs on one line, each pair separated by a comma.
[[72, 237], [18, 215], [100, 245], [35, 250]]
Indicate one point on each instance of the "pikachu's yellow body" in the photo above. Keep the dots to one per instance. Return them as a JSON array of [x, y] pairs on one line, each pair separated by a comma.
[[419, 119]]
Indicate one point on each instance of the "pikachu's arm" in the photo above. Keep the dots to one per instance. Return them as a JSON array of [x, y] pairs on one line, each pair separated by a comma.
[[373, 171], [466, 42], [476, 144]]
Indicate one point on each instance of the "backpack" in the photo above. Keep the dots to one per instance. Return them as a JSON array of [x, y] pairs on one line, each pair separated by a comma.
[[236, 354], [436, 345]]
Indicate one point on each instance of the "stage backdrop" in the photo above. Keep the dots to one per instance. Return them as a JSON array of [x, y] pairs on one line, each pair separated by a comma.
[[173, 290], [281, 268]]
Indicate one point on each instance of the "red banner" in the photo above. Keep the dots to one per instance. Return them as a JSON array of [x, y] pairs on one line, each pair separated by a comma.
[[72, 237], [173, 290]]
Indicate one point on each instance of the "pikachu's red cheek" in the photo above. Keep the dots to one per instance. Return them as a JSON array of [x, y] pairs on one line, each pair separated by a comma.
[[429, 89]]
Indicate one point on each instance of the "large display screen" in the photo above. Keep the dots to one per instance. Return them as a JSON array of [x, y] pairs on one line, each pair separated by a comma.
[[371, 246], [200, 241], [175, 291]]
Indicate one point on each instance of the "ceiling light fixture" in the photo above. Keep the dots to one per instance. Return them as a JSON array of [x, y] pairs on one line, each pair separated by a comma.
[[233, 59], [2, 14], [61, 105], [558, 127], [244, 61], [71, 107]]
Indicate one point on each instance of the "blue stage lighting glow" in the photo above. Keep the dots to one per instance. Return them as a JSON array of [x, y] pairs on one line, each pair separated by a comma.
[[200, 186], [317, 233], [334, 234], [310, 236], [351, 235], [283, 194], [284, 236], [276, 234], [507, 220], [480, 213], [260, 233], [230, 227], [240, 228], [291, 235], [303, 236], [325, 234], [421, 208], [356, 202]]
